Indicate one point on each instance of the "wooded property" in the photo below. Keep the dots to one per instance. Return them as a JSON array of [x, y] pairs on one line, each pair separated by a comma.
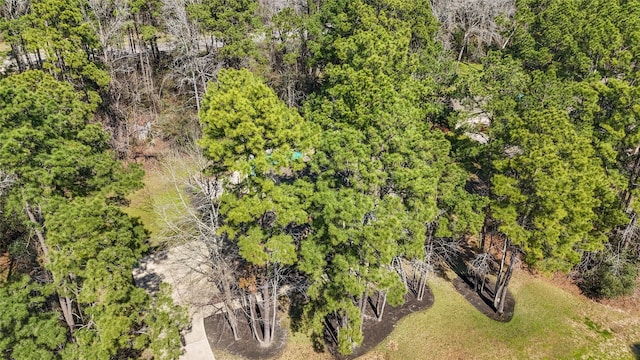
[[324, 161]]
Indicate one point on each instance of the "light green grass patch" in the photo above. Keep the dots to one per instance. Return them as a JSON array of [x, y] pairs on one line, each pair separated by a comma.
[[4, 47], [161, 199], [548, 323]]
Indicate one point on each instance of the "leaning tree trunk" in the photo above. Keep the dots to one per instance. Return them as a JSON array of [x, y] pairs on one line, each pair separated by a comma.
[[230, 311], [253, 319], [500, 271], [397, 265], [501, 294], [65, 302], [362, 303]]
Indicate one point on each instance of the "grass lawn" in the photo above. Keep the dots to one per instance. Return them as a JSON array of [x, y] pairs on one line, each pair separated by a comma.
[[549, 323], [144, 201], [159, 199]]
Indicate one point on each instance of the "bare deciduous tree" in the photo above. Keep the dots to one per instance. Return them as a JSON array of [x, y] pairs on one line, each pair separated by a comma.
[[477, 23], [480, 267], [192, 219], [194, 63], [437, 251]]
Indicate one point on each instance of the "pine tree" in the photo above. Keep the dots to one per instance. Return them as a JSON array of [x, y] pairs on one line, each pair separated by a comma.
[[257, 146]]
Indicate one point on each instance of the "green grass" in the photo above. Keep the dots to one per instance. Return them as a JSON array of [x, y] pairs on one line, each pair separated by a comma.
[[143, 203], [160, 195], [548, 323]]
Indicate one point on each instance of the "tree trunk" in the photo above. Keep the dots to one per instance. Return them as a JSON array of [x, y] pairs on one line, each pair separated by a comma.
[[265, 314], [397, 264], [253, 319], [17, 54], [633, 177], [65, 302], [507, 279], [380, 307], [228, 304], [422, 284], [362, 303], [500, 270]]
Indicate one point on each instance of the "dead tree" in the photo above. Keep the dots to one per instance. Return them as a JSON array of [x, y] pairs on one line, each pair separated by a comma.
[[472, 22], [194, 64], [192, 219], [479, 269], [261, 288]]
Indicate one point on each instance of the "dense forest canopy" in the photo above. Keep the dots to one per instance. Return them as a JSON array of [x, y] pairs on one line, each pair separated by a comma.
[[350, 149]]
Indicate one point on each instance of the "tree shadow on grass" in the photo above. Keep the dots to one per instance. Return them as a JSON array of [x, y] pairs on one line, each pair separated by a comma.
[[483, 300]]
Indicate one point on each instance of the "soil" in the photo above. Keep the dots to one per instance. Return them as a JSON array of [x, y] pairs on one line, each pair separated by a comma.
[[483, 301], [5, 264], [375, 331], [221, 338]]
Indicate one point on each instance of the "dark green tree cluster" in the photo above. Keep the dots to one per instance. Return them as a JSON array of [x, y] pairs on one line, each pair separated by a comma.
[[581, 61], [557, 163], [366, 186], [63, 188], [348, 149]]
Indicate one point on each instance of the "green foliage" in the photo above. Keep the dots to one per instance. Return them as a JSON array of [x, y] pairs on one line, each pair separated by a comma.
[[71, 185], [552, 194], [610, 276], [49, 145], [234, 23], [246, 128], [57, 27], [29, 328], [165, 321], [579, 37], [249, 132], [380, 171], [337, 20], [94, 247]]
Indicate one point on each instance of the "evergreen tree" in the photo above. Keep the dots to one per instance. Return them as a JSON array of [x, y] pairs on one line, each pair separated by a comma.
[[66, 186], [234, 24], [29, 328], [378, 172], [257, 146]]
